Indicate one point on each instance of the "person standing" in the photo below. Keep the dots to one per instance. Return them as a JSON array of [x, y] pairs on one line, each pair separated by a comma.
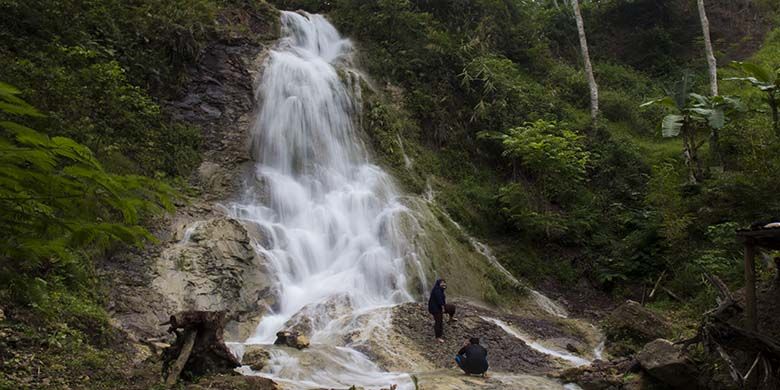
[[437, 306], [472, 358]]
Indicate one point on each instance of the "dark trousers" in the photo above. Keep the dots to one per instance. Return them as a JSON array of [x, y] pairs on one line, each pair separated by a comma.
[[438, 318], [438, 325]]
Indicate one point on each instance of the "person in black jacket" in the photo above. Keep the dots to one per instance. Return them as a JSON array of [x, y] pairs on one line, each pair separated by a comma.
[[437, 306], [472, 358]]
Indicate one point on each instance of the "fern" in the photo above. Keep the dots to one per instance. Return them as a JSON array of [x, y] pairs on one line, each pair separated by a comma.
[[59, 207]]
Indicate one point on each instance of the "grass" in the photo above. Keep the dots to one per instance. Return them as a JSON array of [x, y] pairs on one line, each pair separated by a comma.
[[69, 343]]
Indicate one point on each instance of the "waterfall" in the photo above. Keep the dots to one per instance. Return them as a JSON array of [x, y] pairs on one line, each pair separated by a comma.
[[335, 242], [341, 243]]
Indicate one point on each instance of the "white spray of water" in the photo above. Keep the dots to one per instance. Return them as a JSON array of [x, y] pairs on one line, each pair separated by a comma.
[[189, 231], [325, 366], [333, 221], [407, 161]]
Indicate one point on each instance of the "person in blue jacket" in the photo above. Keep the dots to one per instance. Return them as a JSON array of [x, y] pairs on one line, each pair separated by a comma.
[[437, 306]]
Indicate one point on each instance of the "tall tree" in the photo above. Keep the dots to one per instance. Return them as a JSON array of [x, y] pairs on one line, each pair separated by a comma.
[[594, 88], [712, 64]]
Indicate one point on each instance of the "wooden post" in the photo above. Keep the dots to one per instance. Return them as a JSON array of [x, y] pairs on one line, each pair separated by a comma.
[[750, 285]]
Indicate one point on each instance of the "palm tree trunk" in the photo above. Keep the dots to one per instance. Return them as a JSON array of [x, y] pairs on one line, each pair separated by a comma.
[[691, 154], [711, 62], [594, 88]]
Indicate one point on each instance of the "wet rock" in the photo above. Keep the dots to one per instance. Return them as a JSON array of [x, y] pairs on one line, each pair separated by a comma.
[[319, 314], [255, 357], [667, 363], [455, 380], [630, 326], [292, 339], [217, 270]]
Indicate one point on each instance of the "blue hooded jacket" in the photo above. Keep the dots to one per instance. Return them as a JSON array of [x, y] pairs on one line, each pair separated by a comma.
[[437, 300]]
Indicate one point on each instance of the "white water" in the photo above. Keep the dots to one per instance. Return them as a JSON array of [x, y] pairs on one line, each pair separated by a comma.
[[335, 247], [325, 366], [407, 161]]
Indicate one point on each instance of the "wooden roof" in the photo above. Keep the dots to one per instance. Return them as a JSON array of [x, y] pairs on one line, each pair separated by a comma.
[[767, 237]]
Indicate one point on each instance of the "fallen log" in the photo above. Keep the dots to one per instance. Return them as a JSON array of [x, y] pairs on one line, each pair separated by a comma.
[[199, 348]]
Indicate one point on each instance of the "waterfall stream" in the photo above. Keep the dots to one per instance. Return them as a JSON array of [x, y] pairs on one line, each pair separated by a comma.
[[334, 244], [328, 210]]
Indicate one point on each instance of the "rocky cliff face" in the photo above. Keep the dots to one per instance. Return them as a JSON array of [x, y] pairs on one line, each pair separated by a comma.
[[205, 261]]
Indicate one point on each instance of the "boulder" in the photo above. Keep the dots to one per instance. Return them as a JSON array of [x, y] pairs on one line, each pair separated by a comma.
[[317, 315], [630, 326], [255, 357], [216, 269], [292, 339], [667, 363]]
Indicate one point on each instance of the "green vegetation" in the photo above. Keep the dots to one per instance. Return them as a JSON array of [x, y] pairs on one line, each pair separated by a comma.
[[59, 206]]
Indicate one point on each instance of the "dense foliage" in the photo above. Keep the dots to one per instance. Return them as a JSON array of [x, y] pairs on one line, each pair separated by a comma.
[[98, 70]]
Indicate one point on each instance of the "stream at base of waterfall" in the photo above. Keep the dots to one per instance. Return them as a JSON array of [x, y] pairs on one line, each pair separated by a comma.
[[336, 242]]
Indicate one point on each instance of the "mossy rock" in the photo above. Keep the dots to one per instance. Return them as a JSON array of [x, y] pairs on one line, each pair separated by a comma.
[[631, 326]]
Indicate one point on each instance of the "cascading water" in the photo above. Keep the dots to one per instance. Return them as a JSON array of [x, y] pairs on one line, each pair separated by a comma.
[[335, 243]]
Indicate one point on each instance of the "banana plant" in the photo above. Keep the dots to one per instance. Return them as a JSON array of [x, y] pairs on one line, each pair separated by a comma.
[[691, 113], [766, 80]]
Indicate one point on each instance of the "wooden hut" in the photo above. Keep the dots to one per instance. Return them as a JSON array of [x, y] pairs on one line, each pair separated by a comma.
[[757, 236]]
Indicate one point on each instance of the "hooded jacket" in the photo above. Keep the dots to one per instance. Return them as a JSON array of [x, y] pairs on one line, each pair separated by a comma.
[[474, 359], [437, 300]]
